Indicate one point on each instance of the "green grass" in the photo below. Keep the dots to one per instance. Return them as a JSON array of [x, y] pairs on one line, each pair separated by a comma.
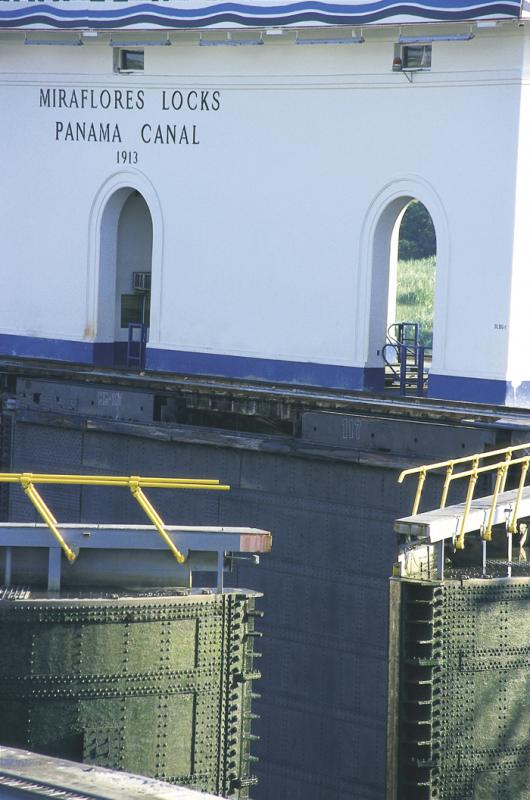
[[415, 295]]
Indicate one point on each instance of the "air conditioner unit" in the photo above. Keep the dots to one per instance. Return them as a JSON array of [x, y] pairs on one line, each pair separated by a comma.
[[142, 281]]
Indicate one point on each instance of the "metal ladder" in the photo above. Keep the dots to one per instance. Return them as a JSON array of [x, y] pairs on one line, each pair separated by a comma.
[[405, 358], [136, 345]]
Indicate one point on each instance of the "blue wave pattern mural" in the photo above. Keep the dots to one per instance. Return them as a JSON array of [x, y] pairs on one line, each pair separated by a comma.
[[170, 14]]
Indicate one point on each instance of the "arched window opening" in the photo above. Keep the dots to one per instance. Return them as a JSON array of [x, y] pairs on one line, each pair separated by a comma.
[[124, 285], [410, 300], [416, 271], [133, 266]]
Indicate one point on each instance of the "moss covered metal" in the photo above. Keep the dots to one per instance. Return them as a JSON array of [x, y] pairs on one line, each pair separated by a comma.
[[158, 685], [459, 685]]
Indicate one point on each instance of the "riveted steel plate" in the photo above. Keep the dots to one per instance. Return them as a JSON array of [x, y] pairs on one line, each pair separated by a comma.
[[158, 685], [462, 697]]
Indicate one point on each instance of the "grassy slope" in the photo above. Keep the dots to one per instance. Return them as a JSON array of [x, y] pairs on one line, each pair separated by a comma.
[[415, 295]]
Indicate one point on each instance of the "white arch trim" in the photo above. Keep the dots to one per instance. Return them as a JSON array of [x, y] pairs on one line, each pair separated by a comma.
[[403, 188], [135, 181]]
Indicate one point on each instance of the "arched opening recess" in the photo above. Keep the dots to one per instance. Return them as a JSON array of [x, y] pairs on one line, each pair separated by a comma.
[[126, 249], [403, 293]]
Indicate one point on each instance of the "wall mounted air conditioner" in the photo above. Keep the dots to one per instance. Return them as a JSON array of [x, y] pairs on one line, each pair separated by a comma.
[[142, 281]]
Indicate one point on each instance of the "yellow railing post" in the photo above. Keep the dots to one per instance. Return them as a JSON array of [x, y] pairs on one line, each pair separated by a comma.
[[507, 461], [512, 527], [469, 497], [419, 489], [447, 483]]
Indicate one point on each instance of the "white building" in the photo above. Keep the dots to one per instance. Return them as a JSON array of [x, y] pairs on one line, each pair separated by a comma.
[[258, 176]]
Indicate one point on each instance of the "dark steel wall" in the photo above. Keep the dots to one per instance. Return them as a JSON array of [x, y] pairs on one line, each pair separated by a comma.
[[329, 497]]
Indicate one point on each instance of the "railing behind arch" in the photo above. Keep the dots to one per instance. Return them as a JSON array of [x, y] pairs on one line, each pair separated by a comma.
[[405, 357]]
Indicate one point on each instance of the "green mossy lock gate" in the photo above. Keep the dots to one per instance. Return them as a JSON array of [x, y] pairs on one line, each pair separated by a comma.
[[158, 685], [461, 720]]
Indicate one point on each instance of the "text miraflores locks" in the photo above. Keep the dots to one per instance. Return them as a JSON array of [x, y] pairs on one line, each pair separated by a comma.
[[181, 101], [130, 99]]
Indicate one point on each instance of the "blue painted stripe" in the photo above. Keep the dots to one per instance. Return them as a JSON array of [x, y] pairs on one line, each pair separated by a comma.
[[291, 13], [479, 390], [52, 349], [433, 16], [243, 8], [184, 363], [264, 369]]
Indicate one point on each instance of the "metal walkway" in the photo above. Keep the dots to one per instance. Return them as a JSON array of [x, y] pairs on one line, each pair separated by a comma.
[[445, 523], [118, 554], [450, 524]]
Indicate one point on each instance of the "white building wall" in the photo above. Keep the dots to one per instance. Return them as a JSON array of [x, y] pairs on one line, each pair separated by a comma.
[[263, 230], [517, 333]]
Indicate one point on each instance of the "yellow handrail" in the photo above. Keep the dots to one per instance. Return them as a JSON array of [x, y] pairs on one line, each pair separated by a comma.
[[501, 467], [110, 480], [135, 483], [450, 464], [462, 459]]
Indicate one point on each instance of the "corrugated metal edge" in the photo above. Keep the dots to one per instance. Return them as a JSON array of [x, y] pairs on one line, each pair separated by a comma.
[[394, 626]]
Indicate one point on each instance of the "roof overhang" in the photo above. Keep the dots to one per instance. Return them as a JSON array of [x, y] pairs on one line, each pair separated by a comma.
[[203, 14]]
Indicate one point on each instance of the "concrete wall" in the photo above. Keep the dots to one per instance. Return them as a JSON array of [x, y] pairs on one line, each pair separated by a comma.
[[272, 218]]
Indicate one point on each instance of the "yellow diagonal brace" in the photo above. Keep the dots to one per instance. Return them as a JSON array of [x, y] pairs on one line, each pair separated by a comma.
[[48, 517], [155, 518]]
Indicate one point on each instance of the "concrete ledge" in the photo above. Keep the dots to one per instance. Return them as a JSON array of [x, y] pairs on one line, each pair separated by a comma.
[[26, 774], [443, 523]]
